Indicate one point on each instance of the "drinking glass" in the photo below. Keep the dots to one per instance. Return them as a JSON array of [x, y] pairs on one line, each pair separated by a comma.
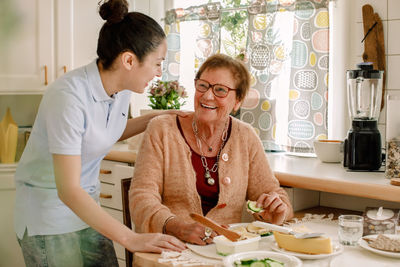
[[350, 229]]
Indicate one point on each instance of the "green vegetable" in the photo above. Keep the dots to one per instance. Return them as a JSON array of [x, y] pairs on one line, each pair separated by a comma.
[[267, 262], [252, 205], [266, 234], [258, 264]]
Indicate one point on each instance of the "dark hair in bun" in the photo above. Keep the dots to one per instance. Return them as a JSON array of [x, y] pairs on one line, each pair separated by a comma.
[[123, 31], [113, 11]]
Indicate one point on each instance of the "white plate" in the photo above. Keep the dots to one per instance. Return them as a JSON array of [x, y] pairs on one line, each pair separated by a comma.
[[233, 225], [288, 260], [337, 249], [210, 251], [364, 244]]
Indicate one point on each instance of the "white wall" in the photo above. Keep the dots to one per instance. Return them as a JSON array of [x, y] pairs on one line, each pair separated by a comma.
[[389, 12]]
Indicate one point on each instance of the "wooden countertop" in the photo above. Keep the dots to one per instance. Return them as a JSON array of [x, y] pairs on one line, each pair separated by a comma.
[[151, 259], [310, 173]]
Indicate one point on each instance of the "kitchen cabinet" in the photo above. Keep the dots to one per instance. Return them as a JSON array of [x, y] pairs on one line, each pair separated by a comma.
[[111, 174], [10, 251], [49, 38]]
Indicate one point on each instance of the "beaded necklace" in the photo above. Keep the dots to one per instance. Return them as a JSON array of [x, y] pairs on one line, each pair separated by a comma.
[[214, 168]]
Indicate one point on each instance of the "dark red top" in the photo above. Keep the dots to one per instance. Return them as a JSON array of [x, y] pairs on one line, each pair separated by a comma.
[[208, 193]]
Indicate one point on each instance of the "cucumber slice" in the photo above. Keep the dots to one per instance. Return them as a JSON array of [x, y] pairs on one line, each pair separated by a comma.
[[257, 264], [275, 264], [252, 205]]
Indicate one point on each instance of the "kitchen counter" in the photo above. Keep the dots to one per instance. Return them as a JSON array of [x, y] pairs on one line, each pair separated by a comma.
[[311, 173]]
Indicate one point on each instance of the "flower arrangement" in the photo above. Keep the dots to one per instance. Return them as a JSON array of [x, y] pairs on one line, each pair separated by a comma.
[[167, 95]]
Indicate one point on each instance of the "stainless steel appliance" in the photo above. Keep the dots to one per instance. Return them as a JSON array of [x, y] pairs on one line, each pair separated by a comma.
[[362, 148]]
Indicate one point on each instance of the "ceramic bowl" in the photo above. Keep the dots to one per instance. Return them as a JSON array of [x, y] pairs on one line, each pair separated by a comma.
[[329, 150]]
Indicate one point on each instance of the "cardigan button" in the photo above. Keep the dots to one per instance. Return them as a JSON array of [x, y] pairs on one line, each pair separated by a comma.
[[226, 180], [225, 157]]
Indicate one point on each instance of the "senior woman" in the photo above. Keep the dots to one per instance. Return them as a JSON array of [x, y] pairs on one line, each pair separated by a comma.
[[208, 162]]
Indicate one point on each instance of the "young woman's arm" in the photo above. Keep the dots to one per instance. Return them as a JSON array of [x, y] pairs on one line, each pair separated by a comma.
[[137, 125], [67, 171]]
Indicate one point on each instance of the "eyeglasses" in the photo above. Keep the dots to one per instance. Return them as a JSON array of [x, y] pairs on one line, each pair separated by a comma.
[[218, 90]]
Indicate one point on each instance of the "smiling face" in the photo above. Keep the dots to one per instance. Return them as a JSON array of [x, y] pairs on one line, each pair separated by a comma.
[[150, 67], [212, 109]]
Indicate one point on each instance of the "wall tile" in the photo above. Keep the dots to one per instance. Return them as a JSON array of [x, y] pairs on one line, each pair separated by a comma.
[[393, 66], [393, 9], [382, 131], [357, 46], [394, 36], [379, 6]]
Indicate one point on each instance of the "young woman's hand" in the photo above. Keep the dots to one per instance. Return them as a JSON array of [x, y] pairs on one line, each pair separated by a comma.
[[194, 233], [155, 242], [274, 209]]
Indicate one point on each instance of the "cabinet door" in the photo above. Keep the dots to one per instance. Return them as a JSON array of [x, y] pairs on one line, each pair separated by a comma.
[[10, 251], [78, 26], [28, 48]]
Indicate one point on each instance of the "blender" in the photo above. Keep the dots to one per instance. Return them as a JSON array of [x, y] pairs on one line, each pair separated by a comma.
[[362, 148]]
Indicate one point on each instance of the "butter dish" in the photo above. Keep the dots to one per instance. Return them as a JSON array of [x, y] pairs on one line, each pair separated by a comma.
[[226, 247]]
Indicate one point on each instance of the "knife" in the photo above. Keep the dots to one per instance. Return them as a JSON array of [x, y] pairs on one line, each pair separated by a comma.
[[286, 230], [231, 235]]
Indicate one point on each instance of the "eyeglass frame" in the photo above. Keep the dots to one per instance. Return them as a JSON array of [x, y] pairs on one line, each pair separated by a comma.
[[212, 87]]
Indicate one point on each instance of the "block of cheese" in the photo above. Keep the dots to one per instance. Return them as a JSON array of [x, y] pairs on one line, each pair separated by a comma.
[[315, 245]]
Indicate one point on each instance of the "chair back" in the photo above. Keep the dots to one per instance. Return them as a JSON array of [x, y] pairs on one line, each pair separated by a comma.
[[125, 185]]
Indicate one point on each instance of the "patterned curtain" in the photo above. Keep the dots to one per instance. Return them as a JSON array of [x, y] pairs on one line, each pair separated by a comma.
[[287, 51], [287, 55], [207, 39]]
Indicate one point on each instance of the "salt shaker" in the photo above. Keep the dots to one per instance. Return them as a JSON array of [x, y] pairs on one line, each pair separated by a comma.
[[392, 136]]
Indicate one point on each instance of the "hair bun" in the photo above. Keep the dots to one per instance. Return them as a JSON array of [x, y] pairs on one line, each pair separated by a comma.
[[113, 11]]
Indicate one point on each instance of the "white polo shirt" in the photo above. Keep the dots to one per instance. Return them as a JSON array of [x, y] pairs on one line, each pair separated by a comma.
[[75, 117]]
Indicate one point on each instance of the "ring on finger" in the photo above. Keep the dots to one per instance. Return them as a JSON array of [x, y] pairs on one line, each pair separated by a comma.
[[204, 238], [207, 232]]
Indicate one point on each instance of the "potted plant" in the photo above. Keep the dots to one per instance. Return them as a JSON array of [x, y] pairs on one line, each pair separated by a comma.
[[167, 95]]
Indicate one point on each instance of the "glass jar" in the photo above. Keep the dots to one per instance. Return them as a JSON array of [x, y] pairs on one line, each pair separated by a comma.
[[392, 136]]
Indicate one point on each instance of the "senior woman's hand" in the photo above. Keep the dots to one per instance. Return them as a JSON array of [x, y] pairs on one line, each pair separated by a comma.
[[194, 233], [275, 210]]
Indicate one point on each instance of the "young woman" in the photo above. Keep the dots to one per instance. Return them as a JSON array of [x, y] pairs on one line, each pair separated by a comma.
[[58, 218]]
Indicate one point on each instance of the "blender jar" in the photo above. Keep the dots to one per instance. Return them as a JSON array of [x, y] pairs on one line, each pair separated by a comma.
[[392, 136]]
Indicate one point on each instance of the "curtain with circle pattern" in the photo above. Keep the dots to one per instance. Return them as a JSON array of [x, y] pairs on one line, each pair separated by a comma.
[[207, 36], [287, 54]]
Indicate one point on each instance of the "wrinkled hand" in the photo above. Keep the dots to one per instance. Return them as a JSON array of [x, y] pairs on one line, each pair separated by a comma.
[[275, 210], [189, 232], [155, 242]]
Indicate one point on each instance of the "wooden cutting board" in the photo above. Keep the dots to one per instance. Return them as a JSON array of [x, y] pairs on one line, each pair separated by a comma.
[[374, 43], [8, 138]]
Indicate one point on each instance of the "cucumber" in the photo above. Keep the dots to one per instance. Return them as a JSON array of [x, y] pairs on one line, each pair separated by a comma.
[[252, 205], [276, 264], [257, 264]]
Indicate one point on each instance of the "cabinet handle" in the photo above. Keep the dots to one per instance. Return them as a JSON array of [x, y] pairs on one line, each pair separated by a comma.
[[65, 69], [45, 75], [102, 195], [103, 171]]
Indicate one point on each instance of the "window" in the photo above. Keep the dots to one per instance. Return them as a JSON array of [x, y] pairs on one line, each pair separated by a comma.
[[286, 48]]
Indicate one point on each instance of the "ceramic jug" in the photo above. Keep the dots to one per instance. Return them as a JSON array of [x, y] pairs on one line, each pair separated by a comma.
[[8, 138]]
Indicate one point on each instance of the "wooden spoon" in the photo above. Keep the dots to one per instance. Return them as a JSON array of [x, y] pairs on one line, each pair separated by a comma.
[[232, 236]]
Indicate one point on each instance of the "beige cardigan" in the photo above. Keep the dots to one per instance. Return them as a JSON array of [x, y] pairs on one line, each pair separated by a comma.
[[164, 181]]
